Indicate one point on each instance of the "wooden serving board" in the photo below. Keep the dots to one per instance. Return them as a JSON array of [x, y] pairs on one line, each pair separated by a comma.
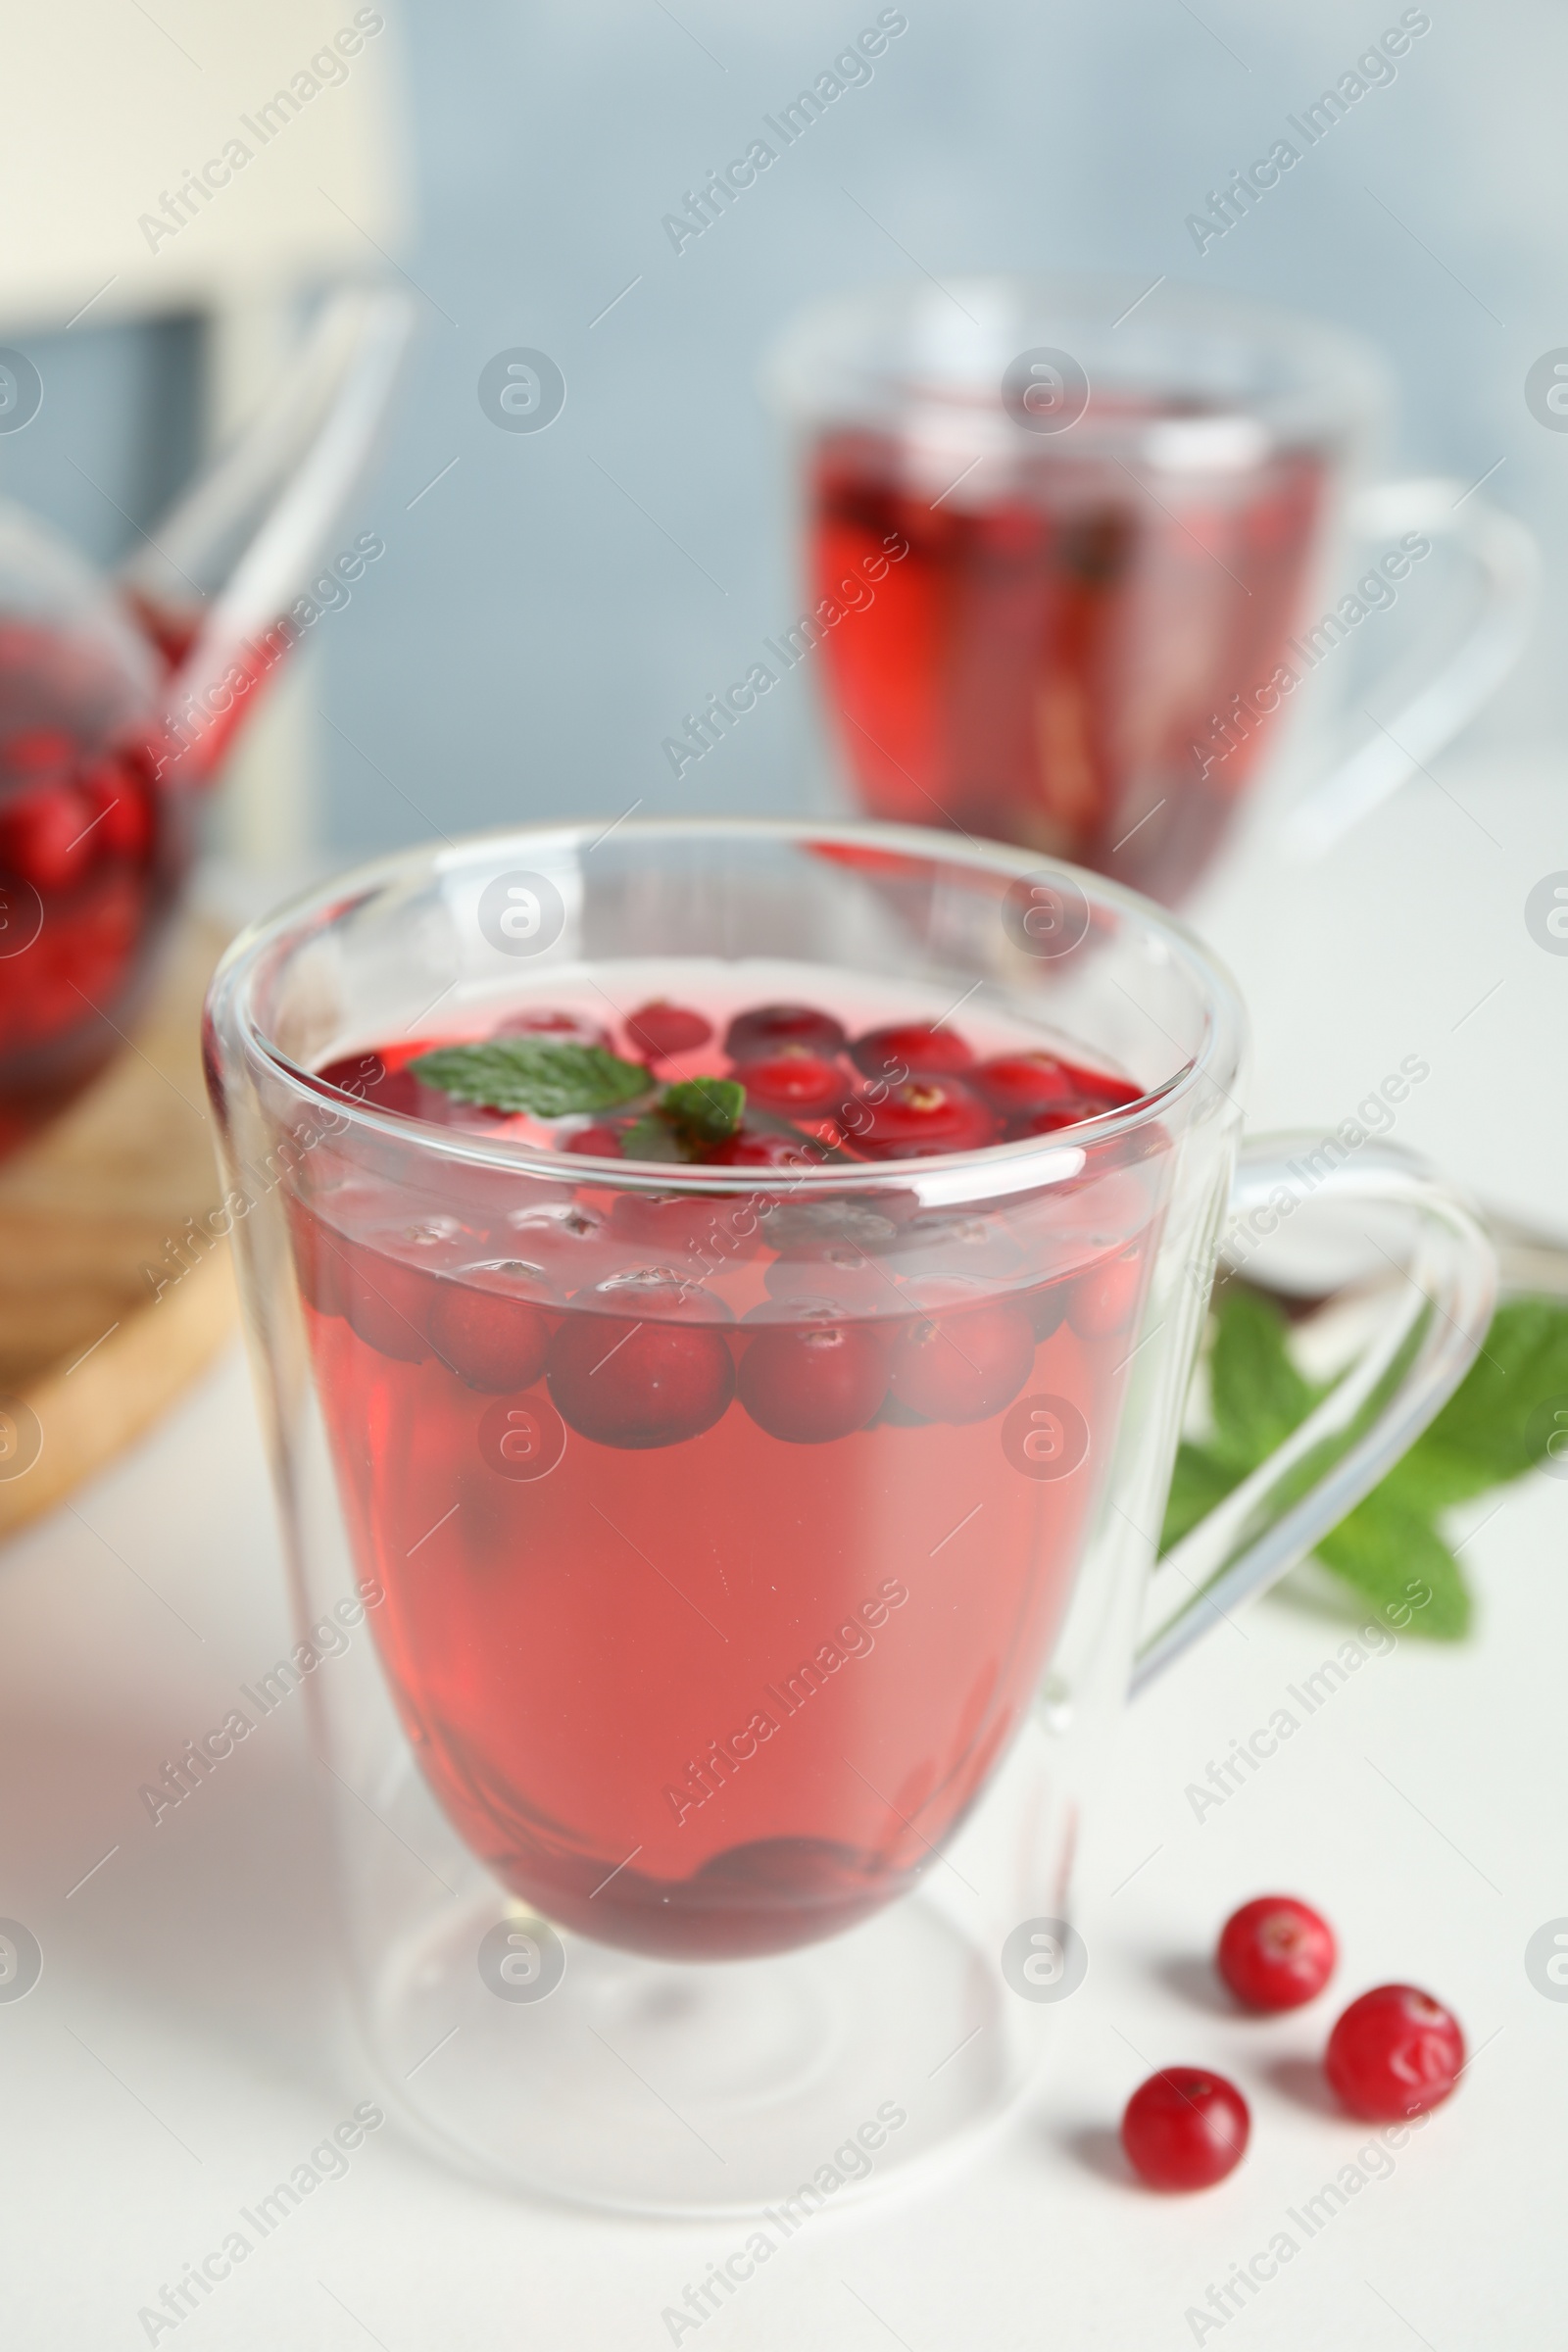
[[88, 1354]]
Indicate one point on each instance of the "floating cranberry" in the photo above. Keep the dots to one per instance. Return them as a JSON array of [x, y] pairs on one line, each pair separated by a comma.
[[1275, 1952], [1018, 1083], [1185, 2128], [1394, 2052], [835, 1274], [1070, 1111], [911, 1049], [38, 752], [491, 1341], [802, 1084], [1045, 1308], [318, 1259], [766, 1029], [813, 1378], [44, 835], [1113, 1094], [763, 1148], [561, 1028], [1104, 1301], [368, 1078], [690, 1230], [386, 1301], [651, 1382], [660, 1030], [922, 1115], [122, 819], [595, 1143], [964, 1363]]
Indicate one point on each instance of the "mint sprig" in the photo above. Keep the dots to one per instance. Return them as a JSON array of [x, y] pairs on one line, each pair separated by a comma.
[[1494, 1429], [689, 1118], [552, 1077]]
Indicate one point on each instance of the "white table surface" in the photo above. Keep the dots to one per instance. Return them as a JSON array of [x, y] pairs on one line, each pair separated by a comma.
[[180, 2053]]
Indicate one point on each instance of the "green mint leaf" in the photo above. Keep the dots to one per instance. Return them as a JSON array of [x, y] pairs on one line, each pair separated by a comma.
[[1199, 1481], [1394, 1559], [687, 1121], [651, 1137], [1494, 1427], [551, 1077], [711, 1107], [1257, 1394]]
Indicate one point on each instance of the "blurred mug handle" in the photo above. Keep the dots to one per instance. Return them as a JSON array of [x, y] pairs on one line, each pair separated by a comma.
[[1462, 679], [1375, 1411]]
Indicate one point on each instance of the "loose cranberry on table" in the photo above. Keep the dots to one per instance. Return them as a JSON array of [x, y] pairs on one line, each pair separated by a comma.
[[1276, 1952], [812, 1378], [662, 1029], [644, 1383], [922, 1115], [766, 1029], [913, 1049], [1185, 2128], [1394, 2053]]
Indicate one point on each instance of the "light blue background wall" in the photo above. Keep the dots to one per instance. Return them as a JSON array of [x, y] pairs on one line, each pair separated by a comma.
[[545, 614]]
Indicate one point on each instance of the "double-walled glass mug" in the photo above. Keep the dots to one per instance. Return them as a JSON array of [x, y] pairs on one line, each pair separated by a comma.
[[719, 1549], [1075, 550]]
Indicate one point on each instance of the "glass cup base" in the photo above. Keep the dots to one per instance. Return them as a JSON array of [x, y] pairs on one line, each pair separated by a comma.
[[681, 2089]]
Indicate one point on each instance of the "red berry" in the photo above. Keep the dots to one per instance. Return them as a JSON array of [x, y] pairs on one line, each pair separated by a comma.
[[794, 1081], [814, 1377], [1070, 1111], [1018, 1083], [1185, 2128], [766, 1029], [595, 1143], [964, 1364], [831, 1274], [909, 1050], [386, 1303], [652, 1381], [123, 812], [1393, 2052], [490, 1340], [1104, 1301], [318, 1259], [366, 1077], [763, 1148], [1275, 1953], [38, 752], [44, 836], [563, 1028], [922, 1115], [1112, 1094], [689, 1230], [661, 1029]]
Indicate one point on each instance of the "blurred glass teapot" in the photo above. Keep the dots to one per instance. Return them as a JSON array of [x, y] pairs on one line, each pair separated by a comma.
[[119, 697]]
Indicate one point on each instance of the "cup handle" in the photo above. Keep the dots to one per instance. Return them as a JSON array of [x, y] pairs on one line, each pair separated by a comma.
[[1375, 1411], [1462, 679]]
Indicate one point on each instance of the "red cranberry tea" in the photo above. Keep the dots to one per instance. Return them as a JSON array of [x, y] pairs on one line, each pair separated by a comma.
[[1056, 652], [724, 1536]]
